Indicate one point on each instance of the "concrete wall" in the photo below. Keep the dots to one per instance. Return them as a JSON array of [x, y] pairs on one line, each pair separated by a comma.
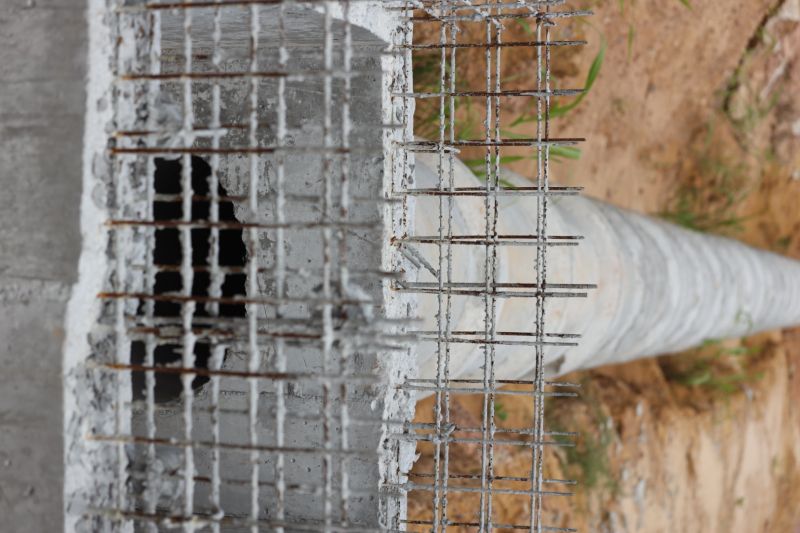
[[42, 66], [117, 190]]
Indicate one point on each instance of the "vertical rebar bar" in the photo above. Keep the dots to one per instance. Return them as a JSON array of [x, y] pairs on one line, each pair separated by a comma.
[[446, 436], [277, 115]]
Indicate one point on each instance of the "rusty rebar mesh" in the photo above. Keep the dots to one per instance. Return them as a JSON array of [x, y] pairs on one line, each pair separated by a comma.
[[255, 164], [240, 331], [464, 480]]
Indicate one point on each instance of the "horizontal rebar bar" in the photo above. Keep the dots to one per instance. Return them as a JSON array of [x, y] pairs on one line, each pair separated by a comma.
[[298, 75], [478, 143], [316, 377], [527, 382], [481, 192], [496, 392], [197, 520], [496, 240], [180, 150], [496, 525], [411, 487], [504, 94], [507, 44], [316, 225], [499, 294], [493, 342], [542, 15], [521, 479], [230, 446], [479, 440]]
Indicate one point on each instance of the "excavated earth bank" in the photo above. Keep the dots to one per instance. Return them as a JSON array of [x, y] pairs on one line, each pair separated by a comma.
[[695, 117]]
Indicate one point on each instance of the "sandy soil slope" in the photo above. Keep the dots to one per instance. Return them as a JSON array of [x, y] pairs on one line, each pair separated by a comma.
[[694, 116]]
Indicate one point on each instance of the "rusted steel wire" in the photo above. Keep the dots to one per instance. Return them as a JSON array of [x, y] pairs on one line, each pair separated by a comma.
[[451, 37], [261, 221]]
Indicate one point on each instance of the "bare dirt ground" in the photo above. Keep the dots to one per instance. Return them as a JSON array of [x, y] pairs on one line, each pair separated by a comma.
[[695, 116]]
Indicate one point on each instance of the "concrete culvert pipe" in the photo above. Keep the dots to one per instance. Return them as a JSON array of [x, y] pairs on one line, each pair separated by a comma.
[[659, 288]]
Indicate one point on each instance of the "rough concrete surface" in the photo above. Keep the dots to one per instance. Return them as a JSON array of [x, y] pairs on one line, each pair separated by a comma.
[[92, 492], [42, 65]]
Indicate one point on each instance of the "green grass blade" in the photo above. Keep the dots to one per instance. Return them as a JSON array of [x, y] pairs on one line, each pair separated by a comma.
[[631, 35], [566, 152], [594, 71], [525, 26], [480, 162]]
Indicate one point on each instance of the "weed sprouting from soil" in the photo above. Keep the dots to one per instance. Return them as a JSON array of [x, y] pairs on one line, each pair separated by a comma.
[[715, 366], [588, 460], [708, 201]]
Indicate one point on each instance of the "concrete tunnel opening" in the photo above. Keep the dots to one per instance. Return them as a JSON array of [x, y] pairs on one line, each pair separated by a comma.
[[229, 252]]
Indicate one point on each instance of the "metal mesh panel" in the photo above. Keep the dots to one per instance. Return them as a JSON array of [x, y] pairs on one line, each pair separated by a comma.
[[248, 361], [463, 43], [231, 383]]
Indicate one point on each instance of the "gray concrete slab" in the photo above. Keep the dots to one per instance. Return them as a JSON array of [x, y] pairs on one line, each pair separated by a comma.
[[42, 68]]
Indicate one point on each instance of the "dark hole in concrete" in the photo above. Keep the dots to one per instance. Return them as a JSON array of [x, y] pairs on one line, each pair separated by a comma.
[[168, 253]]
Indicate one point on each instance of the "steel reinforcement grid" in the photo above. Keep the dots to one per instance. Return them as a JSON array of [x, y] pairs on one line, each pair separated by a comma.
[[242, 340]]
